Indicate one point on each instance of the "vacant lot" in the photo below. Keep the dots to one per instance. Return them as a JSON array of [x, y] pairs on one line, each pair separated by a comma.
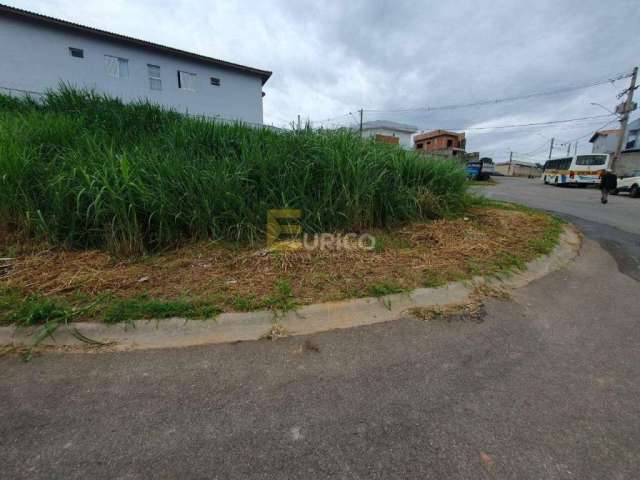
[[85, 171], [209, 277]]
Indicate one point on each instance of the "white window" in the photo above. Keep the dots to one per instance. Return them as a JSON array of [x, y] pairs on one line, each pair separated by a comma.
[[116, 66], [155, 82], [187, 81]]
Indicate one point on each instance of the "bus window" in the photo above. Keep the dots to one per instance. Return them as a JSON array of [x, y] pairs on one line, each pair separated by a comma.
[[591, 160]]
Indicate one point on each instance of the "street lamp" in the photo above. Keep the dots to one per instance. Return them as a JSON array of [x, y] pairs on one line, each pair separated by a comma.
[[603, 107]]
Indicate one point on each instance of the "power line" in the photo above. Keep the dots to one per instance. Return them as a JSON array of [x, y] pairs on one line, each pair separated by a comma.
[[328, 120], [610, 80], [533, 124], [506, 99]]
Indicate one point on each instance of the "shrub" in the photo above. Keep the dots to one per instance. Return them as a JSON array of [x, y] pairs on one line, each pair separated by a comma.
[[85, 170]]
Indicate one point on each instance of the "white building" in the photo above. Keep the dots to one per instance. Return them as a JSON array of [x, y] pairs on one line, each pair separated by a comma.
[[604, 141], [391, 132], [40, 52]]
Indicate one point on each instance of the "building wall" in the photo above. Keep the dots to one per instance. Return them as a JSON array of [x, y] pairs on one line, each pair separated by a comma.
[[518, 170], [387, 139], [628, 162], [36, 58], [438, 143], [605, 144], [404, 138]]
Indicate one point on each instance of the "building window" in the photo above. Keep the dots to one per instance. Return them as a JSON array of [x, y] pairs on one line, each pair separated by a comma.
[[155, 82], [116, 67], [215, 81], [418, 146], [187, 81], [76, 52]]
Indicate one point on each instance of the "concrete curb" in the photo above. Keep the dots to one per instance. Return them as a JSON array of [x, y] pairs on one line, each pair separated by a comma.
[[236, 327]]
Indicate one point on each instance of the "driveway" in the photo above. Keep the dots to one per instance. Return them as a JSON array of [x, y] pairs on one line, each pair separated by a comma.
[[545, 386]]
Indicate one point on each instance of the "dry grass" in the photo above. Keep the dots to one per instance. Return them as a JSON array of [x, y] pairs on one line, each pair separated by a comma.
[[488, 241]]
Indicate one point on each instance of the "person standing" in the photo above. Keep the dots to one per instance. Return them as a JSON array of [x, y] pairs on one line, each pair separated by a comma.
[[608, 183]]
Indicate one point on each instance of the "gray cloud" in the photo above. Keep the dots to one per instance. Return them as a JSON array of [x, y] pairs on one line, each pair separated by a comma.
[[331, 58]]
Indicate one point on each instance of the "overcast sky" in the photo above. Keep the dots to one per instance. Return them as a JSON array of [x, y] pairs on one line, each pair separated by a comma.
[[332, 58]]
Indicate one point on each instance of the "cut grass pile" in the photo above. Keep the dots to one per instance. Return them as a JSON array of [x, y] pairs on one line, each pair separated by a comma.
[[200, 280], [83, 170]]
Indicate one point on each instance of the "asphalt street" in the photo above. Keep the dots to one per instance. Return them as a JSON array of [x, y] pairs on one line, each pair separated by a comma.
[[622, 212], [616, 225], [545, 386]]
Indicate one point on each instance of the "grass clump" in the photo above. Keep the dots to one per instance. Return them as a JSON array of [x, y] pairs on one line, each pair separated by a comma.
[[384, 288], [140, 308], [84, 170], [36, 310]]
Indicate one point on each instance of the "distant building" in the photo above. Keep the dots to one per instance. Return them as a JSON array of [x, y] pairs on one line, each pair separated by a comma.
[[440, 142], [604, 141], [39, 52], [519, 169], [389, 132]]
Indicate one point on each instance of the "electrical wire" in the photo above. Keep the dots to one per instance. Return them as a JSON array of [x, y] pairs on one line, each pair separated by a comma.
[[616, 77], [533, 124]]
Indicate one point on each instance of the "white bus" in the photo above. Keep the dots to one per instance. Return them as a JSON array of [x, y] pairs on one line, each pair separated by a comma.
[[577, 170]]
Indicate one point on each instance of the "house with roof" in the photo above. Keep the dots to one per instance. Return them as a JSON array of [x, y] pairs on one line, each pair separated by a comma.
[[441, 142], [390, 132], [604, 141], [39, 52]]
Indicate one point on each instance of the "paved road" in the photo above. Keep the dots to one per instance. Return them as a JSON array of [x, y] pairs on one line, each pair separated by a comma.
[[615, 226], [546, 386], [621, 212]]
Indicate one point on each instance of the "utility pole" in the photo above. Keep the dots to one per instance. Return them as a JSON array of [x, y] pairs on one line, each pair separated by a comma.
[[361, 115], [624, 109], [551, 148], [568, 149], [298, 122], [575, 150], [510, 161]]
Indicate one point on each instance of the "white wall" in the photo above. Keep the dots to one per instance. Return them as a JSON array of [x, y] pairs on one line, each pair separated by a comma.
[[404, 138], [605, 144], [36, 57]]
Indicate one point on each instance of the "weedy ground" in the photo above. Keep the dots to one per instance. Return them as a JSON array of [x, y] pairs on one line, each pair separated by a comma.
[[114, 212], [83, 170], [206, 278]]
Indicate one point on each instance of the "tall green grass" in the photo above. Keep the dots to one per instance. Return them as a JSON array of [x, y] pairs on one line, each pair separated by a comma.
[[84, 170]]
